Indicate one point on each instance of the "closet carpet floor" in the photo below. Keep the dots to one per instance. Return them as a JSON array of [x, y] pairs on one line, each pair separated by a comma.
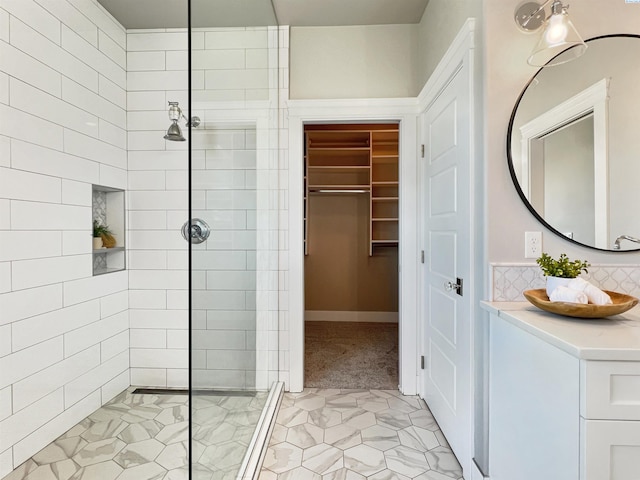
[[350, 355]]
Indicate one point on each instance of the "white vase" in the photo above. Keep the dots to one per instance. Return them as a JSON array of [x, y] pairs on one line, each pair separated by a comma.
[[97, 243], [555, 282]]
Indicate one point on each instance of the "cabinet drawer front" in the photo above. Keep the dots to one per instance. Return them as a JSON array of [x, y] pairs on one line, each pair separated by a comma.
[[610, 450], [611, 390]]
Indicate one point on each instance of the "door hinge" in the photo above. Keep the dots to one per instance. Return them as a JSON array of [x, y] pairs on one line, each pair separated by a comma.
[[422, 150], [422, 256], [422, 362]]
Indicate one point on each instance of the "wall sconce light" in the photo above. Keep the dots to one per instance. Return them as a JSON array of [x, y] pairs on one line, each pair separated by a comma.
[[174, 133], [558, 33]]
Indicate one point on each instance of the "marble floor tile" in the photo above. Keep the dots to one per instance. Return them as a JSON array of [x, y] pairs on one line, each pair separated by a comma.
[[292, 416], [320, 434], [305, 435], [325, 417], [364, 459], [146, 471], [424, 419], [311, 402], [379, 437], [343, 474], [97, 452], [283, 457], [418, 438], [174, 456], [406, 461], [442, 459], [368, 434], [322, 458], [343, 436], [360, 420], [139, 453], [393, 420], [299, 473], [104, 471], [388, 475], [145, 437]]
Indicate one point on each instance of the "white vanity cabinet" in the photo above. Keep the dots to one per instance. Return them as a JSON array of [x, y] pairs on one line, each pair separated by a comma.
[[563, 394], [610, 420]]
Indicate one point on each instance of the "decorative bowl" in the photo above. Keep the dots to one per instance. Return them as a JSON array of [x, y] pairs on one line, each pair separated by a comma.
[[621, 303]]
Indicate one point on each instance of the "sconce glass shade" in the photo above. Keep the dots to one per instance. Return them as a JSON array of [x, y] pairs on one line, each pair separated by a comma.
[[174, 133], [558, 36]]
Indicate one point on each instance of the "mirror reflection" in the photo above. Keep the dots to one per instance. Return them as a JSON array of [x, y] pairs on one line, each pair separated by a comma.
[[574, 151]]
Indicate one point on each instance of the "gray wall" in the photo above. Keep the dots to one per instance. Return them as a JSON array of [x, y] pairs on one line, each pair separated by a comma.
[[354, 62]]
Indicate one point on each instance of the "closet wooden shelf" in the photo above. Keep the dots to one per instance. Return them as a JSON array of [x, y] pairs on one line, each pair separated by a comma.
[[356, 158], [337, 187], [338, 148], [338, 168]]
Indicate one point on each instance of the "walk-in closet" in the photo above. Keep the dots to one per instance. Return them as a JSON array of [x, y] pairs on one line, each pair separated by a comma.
[[351, 255]]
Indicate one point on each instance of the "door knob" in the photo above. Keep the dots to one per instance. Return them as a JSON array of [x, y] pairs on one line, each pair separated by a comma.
[[448, 286]]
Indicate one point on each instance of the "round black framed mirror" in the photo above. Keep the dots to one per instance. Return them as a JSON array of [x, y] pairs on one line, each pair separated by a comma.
[[573, 146]]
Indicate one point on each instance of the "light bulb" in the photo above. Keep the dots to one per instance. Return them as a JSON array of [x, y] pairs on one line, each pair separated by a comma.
[[556, 31]]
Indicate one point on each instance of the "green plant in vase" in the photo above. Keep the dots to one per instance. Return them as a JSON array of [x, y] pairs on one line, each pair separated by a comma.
[[560, 271], [104, 234]]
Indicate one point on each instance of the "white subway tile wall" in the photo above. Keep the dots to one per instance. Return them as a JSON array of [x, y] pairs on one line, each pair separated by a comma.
[[235, 97], [64, 335], [83, 101]]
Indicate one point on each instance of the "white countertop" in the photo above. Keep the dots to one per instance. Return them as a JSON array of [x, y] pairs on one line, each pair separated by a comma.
[[615, 338]]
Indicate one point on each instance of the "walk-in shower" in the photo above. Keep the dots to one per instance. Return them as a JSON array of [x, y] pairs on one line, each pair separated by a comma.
[[88, 91]]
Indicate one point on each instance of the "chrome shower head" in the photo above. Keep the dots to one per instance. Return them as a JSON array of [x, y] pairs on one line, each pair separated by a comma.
[[174, 133]]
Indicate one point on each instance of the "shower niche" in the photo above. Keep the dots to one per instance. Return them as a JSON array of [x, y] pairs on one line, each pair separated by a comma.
[[108, 210]]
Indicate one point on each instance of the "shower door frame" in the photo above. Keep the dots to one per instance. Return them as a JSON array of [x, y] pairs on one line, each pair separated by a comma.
[[404, 112]]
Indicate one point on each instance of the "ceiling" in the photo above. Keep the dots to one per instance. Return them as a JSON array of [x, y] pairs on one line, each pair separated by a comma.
[[239, 13]]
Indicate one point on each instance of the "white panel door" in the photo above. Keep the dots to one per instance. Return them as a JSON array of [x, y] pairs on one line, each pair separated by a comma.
[[447, 246]]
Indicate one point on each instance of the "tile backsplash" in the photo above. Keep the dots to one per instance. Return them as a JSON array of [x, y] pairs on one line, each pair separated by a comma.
[[509, 280]]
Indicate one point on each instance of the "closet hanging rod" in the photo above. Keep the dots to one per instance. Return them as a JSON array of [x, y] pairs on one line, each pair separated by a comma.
[[321, 190]]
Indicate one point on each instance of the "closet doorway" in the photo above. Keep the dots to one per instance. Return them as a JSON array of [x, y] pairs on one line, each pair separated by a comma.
[[351, 193]]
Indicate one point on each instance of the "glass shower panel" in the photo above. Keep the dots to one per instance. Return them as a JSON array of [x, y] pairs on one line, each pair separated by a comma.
[[234, 191]]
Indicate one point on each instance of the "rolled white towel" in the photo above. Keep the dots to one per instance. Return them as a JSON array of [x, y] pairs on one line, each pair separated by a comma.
[[565, 294], [594, 294]]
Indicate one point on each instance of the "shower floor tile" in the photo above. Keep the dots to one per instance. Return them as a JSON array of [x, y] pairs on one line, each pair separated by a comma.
[[323, 434], [145, 437]]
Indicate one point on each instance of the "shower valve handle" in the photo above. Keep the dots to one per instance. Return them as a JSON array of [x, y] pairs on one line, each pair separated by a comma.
[[195, 231]]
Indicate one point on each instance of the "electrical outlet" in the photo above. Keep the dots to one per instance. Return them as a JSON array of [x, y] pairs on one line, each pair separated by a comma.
[[532, 244]]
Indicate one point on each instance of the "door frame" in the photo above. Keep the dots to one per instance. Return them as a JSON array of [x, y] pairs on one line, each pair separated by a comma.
[[404, 111]]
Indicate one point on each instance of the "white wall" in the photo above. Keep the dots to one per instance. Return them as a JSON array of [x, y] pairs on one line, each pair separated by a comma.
[[63, 333], [506, 75], [375, 61]]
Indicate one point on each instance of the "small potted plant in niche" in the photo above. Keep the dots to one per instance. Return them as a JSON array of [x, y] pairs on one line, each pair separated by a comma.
[[560, 271], [102, 236]]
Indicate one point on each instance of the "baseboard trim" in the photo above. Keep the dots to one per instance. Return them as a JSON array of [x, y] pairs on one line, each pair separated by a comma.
[[347, 316]]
